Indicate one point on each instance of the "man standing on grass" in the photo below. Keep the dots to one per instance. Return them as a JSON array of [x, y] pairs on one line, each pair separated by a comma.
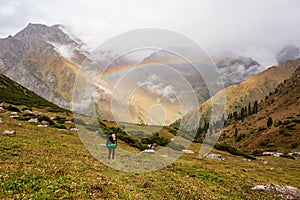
[[111, 144]]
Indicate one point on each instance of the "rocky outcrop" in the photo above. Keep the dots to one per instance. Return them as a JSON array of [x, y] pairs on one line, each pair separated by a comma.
[[286, 192]]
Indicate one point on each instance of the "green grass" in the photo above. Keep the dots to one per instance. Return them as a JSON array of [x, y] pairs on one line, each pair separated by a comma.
[[13, 93], [44, 163]]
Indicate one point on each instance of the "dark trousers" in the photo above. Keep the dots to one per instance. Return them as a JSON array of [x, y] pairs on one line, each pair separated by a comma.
[[111, 153]]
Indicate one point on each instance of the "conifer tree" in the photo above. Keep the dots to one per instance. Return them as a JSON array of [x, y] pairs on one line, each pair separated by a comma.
[[270, 122], [249, 109], [242, 114]]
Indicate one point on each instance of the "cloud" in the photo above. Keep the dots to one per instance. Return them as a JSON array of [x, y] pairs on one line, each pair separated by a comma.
[[230, 25], [66, 51], [156, 85]]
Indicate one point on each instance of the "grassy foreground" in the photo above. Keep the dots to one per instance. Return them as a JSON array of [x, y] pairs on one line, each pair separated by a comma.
[[44, 163]]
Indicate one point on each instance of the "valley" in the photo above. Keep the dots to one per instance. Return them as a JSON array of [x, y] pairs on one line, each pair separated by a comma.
[[48, 150]]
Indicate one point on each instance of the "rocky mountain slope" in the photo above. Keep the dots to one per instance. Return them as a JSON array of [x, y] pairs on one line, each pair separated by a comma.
[[276, 125], [256, 87], [238, 96], [43, 59]]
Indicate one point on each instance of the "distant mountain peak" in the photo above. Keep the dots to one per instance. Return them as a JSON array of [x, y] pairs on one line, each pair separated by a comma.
[[33, 29], [52, 34]]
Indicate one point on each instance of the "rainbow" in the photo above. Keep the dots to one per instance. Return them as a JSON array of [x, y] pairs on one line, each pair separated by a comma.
[[119, 70]]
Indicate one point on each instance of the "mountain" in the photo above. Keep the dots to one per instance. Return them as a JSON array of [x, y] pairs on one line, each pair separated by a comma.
[[276, 125], [43, 59], [255, 88], [13, 93], [235, 69], [290, 52]]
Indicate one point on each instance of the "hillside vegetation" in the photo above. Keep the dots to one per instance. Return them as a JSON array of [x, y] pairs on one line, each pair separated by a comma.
[[13, 93], [276, 124], [47, 163]]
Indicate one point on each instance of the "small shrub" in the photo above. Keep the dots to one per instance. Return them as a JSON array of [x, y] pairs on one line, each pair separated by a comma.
[[284, 132], [287, 156], [257, 152], [28, 115], [264, 143], [45, 118], [294, 145], [25, 118], [78, 121], [93, 127], [26, 108], [261, 128], [291, 126], [12, 108], [269, 122], [297, 121], [156, 139], [233, 150], [278, 123], [176, 147], [55, 110], [139, 134], [132, 141], [174, 132], [60, 119], [60, 126], [240, 137]]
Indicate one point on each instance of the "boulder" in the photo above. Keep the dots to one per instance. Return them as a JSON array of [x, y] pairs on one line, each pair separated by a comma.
[[27, 111], [7, 132], [33, 120], [2, 109], [294, 153], [44, 122], [74, 130], [13, 113], [214, 156], [63, 130], [149, 151], [286, 192], [40, 125], [36, 113], [14, 117], [187, 151], [69, 122]]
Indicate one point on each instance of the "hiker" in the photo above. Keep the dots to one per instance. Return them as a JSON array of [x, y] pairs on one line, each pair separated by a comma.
[[111, 144]]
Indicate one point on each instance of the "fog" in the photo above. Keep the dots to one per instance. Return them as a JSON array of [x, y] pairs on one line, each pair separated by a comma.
[[253, 28]]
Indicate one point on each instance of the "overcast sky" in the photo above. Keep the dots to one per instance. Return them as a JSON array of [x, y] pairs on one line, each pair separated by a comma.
[[257, 28]]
